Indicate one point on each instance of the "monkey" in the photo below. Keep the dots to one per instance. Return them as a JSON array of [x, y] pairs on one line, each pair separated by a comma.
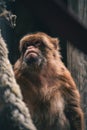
[[47, 85]]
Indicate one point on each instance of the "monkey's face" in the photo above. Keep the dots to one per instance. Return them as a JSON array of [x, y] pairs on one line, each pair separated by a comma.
[[36, 49], [32, 54]]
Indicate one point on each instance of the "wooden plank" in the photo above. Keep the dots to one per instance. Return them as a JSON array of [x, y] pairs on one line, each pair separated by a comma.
[[77, 61]]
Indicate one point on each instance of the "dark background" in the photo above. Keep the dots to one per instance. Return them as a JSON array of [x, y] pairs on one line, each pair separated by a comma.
[[29, 21]]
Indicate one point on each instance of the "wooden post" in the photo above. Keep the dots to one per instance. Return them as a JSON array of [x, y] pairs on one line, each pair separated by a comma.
[[77, 60]]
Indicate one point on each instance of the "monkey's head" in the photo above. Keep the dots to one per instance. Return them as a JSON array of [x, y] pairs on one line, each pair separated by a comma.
[[36, 49]]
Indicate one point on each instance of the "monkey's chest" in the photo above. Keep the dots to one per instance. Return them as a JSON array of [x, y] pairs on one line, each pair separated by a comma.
[[42, 119], [45, 120]]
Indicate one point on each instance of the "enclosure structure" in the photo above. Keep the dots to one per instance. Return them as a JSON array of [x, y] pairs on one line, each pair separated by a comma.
[[77, 59]]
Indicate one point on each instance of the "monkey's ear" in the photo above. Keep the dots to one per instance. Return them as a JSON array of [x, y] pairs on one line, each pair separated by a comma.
[[55, 42], [21, 47]]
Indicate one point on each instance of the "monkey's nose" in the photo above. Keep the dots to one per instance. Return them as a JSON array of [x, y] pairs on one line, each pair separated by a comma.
[[30, 47]]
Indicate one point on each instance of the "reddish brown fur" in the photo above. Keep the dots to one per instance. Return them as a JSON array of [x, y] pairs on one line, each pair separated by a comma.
[[49, 91]]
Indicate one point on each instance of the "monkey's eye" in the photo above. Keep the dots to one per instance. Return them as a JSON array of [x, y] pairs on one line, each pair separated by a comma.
[[38, 44], [26, 44]]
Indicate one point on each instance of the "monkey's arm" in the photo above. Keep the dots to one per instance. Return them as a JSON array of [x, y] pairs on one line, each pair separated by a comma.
[[14, 114], [73, 109]]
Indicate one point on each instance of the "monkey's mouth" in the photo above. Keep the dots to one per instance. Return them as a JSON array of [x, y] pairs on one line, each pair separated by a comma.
[[31, 57], [31, 54]]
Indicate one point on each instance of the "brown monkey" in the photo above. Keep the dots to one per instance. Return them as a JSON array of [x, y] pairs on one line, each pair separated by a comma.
[[47, 86]]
